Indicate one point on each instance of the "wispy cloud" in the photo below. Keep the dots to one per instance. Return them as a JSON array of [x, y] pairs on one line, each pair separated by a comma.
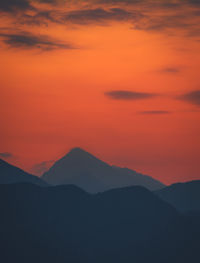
[[148, 15], [14, 5], [6, 155], [100, 15], [170, 17], [42, 167], [155, 3], [155, 112], [92, 16], [26, 40], [193, 2], [40, 18], [128, 95], [191, 97]]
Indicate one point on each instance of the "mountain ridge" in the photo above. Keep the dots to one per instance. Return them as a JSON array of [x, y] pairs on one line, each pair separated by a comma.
[[83, 169], [184, 196], [65, 224], [11, 174]]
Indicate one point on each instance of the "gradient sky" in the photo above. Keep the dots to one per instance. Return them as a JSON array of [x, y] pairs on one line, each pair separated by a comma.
[[119, 78]]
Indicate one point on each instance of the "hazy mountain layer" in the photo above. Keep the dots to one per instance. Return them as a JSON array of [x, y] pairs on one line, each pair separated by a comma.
[[81, 168], [184, 196]]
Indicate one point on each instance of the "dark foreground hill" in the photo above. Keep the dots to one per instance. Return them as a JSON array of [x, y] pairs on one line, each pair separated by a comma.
[[184, 196], [65, 224], [10, 174], [81, 168]]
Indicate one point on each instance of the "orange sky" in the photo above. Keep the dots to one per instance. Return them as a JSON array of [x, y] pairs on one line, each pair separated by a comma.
[[120, 80]]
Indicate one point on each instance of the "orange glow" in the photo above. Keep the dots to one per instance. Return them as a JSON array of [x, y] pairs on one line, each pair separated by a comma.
[[54, 100]]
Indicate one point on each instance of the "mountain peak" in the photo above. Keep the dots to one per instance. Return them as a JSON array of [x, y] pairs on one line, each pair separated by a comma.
[[86, 171], [79, 156], [77, 150]]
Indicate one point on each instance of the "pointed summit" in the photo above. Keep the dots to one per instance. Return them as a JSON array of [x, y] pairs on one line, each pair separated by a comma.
[[79, 153], [83, 169], [79, 159], [77, 150]]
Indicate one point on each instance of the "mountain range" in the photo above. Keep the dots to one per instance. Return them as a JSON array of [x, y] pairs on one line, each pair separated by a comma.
[[117, 219], [84, 170], [65, 224]]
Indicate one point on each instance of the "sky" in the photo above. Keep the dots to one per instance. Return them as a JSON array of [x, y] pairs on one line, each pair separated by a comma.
[[118, 78]]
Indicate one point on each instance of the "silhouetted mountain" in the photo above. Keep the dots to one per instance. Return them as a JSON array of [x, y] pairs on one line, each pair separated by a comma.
[[10, 174], [93, 175], [184, 196], [65, 224]]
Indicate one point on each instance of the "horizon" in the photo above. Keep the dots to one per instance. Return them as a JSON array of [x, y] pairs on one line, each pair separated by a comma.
[[40, 169]]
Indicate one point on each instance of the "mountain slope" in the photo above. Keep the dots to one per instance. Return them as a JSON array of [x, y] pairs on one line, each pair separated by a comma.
[[93, 175], [65, 224], [11, 174], [184, 196]]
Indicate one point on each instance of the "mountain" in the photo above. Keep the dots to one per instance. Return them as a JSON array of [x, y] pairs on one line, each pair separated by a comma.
[[184, 196], [81, 168], [65, 224], [10, 174]]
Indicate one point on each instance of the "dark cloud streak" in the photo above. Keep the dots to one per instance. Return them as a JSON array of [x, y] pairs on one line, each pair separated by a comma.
[[155, 112], [100, 15], [191, 97], [14, 5], [6, 155], [128, 95], [194, 2], [25, 40]]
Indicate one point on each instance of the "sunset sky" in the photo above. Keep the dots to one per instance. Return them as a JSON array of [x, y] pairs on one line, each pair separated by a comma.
[[118, 78]]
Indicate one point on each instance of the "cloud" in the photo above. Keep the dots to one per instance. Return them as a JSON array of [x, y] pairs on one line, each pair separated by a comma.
[[153, 3], [191, 97], [131, 2], [170, 17], [194, 2], [180, 17], [128, 95], [100, 15], [48, 1], [163, 23], [27, 40], [155, 112], [42, 167], [93, 16], [14, 5], [40, 18], [6, 155]]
